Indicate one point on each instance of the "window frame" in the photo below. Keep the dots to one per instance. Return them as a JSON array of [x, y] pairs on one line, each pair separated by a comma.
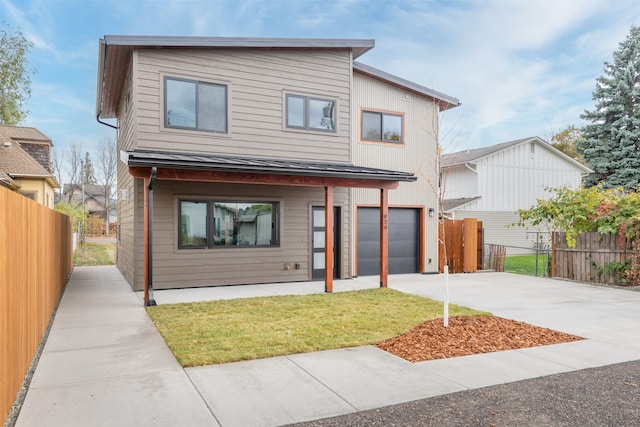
[[382, 115], [196, 83], [210, 222], [305, 113]]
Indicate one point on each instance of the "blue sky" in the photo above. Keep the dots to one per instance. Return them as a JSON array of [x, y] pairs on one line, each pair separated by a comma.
[[520, 68]]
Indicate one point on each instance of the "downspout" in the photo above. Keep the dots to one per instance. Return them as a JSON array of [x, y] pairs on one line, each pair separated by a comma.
[[468, 166], [101, 68], [105, 123], [152, 179]]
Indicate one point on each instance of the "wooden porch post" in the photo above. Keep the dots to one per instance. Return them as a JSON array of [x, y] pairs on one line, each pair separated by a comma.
[[328, 239], [146, 240], [384, 237]]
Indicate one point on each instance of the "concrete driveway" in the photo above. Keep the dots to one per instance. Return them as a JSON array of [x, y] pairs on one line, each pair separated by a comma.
[[105, 364]]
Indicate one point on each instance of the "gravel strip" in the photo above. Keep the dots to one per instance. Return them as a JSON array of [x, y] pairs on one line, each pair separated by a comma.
[[606, 396]]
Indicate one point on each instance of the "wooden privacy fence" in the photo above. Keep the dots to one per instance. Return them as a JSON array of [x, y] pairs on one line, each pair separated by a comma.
[[494, 259], [36, 260], [597, 257], [463, 240]]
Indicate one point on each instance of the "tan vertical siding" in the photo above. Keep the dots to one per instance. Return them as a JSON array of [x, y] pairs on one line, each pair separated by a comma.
[[418, 154]]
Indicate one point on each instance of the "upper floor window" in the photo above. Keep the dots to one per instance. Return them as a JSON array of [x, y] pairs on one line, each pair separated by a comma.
[[382, 127], [196, 105], [304, 112]]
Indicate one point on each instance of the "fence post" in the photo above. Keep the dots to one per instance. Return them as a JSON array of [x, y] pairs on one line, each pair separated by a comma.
[[553, 254]]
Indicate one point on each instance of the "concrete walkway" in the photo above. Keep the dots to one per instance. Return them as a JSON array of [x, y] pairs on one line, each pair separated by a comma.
[[105, 364]]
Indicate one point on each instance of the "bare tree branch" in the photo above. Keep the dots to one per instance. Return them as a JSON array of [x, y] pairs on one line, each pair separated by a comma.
[[107, 173]]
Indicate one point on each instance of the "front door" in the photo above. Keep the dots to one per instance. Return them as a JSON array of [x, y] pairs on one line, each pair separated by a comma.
[[317, 242]]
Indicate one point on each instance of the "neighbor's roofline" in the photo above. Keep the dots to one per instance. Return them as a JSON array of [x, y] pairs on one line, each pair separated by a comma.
[[506, 145], [445, 101]]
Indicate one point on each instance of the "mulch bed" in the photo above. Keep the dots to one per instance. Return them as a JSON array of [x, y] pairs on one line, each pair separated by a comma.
[[467, 335]]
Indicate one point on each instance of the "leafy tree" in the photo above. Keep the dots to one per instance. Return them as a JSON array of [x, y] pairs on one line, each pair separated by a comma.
[[611, 144], [587, 209], [15, 76], [567, 141], [79, 215]]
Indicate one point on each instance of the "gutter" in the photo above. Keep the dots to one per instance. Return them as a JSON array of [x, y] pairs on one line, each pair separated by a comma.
[[102, 55]]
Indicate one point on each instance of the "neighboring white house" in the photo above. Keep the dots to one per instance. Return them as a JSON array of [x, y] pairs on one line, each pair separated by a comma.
[[493, 183]]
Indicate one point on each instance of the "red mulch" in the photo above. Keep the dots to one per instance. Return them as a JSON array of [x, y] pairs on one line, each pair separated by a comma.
[[467, 335]]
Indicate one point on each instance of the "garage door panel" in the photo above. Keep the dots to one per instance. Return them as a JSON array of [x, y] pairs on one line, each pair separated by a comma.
[[404, 226]]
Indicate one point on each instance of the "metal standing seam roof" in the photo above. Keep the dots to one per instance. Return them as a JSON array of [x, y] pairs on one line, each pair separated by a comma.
[[212, 162]]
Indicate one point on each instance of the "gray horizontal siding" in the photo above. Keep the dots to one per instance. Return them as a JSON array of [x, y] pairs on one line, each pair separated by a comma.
[[174, 268], [257, 82]]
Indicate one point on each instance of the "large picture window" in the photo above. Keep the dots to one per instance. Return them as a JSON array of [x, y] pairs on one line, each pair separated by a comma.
[[382, 127], [218, 223], [305, 112], [196, 105]]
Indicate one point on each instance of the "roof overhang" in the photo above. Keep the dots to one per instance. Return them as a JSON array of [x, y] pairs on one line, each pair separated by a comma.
[[115, 54], [233, 169], [48, 178], [445, 102], [450, 205]]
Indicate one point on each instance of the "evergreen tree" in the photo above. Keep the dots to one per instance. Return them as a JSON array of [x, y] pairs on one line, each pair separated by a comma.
[[611, 144], [88, 173]]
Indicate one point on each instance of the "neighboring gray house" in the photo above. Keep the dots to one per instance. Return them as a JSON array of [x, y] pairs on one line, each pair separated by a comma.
[[493, 183], [94, 197], [231, 148]]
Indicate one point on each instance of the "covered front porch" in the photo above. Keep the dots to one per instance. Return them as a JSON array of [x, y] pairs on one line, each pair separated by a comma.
[[152, 167]]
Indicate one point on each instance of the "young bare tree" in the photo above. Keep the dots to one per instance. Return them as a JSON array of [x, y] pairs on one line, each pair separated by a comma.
[[438, 185], [107, 173], [74, 165], [57, 163]]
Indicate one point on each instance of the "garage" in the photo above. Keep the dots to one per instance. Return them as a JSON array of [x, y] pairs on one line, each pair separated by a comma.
[[404, 241]]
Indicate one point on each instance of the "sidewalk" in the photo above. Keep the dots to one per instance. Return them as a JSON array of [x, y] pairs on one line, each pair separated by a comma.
[[104, 363]]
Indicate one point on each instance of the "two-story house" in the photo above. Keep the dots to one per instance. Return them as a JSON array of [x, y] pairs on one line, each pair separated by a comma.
[[233, 148], [493, 183]]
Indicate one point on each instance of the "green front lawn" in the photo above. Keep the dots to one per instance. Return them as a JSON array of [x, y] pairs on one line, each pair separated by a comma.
[[525, 264], [206, 333]]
